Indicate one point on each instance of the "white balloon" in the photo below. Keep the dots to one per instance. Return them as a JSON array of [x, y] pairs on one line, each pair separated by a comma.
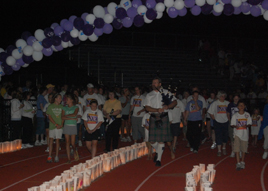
[[108, 18], [179, 4], [25, 65], [159, 15], [265, 15], [125, 4], [99, 11], [160, 7], [262, 9], [93, 37], [39, 34], [82, 36], [211, 2], [28, 50], [218, 7], [142, 10], [54, 49], [37, 46], [169, 3], [21, 43], [2, 50], [17, 54], [74, 33], [200, 2], [37, 56], [146, 20], [247, 13], [236, 3], [11, 61], [90, 18], [111, 8], [64, 44], [70, 44], [244, 1]]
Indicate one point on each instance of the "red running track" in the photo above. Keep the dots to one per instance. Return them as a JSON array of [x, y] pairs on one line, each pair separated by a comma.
[[26, 168]]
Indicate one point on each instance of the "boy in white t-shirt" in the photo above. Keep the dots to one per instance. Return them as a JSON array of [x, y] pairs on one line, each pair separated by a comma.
[[145, 124], [241, 121]]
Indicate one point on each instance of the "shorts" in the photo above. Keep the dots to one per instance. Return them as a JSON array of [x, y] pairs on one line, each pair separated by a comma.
[[55, 133], [93, 136], [70, 130], [125, 117], [40, 126], [240, 145], [175, 129]]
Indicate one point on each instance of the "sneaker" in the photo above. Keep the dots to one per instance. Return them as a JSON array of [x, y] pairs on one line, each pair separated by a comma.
[[43, 142], [47, 150], [224, 151], [124, 139], [195, 151], [28, 145], [155, 157], [232, 154], [242, 165], [49, 159], [213, 146], [37, 143], [264, 156], [23, 146], [204, 140], [80, 143], [219, 154], [191, 149], [238, 166], [129, 139], [158, 163], [56, 159]]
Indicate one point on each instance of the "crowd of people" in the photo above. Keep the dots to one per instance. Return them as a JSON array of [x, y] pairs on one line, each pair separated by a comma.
[[151, 114]]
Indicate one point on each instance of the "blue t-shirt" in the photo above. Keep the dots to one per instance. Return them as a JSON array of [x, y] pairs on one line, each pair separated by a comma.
[[194, 114], [40, 99]]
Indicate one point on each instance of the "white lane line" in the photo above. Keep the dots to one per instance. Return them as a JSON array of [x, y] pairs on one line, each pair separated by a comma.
[[143, 182], [262, 180], [221, 161], [41, 173]]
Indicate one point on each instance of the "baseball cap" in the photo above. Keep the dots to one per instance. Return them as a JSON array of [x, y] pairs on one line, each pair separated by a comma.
[[50, 86], [90, 85]]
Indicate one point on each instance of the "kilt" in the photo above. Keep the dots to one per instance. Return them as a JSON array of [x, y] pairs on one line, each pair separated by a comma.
[[159, 134]]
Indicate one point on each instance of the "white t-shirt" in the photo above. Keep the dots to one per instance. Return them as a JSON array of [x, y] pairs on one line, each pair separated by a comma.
[[80, 112], [201, 98], [218, 109], [15, 111], [176, 112], [145, 122], [46, 97], [92, 118], [138, 103], [262, 95], [27, 110], [241, 120], [184, 101], [102, 98], [87, 98], [81, 102]]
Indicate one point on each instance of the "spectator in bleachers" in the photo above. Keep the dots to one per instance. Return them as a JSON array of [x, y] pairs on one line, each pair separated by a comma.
[[27, 87]]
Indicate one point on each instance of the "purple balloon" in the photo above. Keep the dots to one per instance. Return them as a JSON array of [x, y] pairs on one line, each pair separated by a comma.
[[132, 12], [172, 12], [121, 13], [127, 22], [189, 3], [226, 1], [47, 51], [206, 9], [106, 10], [75, 41], [25, 35], [9, 49], [216, 14], [99, 23], [245, 7], [62, 22], [151, 14], [182, 12], [255, 11], [150, 4], [107, 29], [31, 40], [49, 32], [237, 10], [254, 2], [83, 16], [98, 32], [78, 23], [7, 69], [195, 10], [59, 47], [72, 18], [88, 29], [138, 21], [56, 40], [136, 3], [54, 25], [3, 56], [58, 30], [15, 67], [65, 37], [264, 4], [228, 9], [68, 26], [20, 62], [27, 59], [47, 43], [117, 24]]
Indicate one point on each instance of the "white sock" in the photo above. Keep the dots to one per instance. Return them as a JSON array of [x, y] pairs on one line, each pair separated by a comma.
[[160, 150], [155, 145]]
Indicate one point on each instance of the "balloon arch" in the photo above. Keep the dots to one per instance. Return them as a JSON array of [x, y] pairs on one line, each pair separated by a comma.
[[71, 31]]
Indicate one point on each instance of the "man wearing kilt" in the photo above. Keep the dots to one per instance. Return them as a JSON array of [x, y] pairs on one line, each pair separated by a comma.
[[158, 102]]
